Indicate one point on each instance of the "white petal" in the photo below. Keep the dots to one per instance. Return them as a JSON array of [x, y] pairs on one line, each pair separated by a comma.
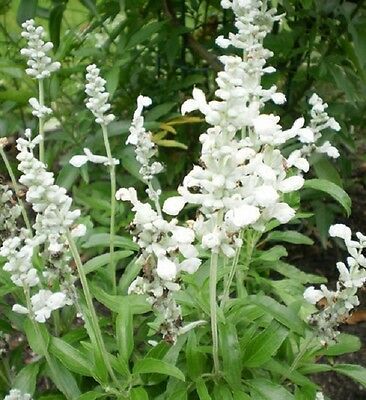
[[78, 161], [340, 231], [166, 269], [173, 205], [189, 106], [20, 309], [291, 184], [313, 295], [190, 265]]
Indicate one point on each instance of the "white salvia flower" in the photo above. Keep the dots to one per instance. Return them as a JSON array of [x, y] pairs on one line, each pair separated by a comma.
[[319, 396], [97, 101], [16, 394], [9, 212], [44, 302], [39, 63], [78, 231], [39, 111], [339, 304], [80, 160], [328, 149], [166, 269], [341, 231], [145, 148]]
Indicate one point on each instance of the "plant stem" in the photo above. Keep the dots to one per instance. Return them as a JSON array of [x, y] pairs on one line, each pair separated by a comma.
[[91, 309], [234, 265], [16, 188], [41, 120], [112, 174], [298, 358], [156, 199], [213, 303]]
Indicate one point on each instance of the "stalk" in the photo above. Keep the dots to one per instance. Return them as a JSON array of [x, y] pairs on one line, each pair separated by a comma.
[[156, 200], [213, 312], [16, 188], [112, 174], [41, 120], [234, 265], [213, 303], [89, 301]]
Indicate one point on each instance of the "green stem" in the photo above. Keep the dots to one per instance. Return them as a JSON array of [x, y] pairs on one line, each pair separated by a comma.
[[213, 303], [91, 309], [298, 358], [234, 265], [112, 174], [213, 312], [16, 188], [251, 242], [41, 120], [156, 200]]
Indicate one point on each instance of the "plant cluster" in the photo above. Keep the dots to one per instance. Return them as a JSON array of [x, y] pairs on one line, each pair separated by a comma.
[[198, 304]]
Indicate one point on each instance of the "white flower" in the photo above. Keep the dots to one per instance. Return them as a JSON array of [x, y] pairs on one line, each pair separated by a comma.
[[166, 269], [341, 231], [173, 205], [39, 63], [38, 110], [44, 302], [328, 149], [291, 184], [190, 265], [97, 101], [20, 309], [80, 160], [16, 394], [243, 215], [78, 231], [312, 295]]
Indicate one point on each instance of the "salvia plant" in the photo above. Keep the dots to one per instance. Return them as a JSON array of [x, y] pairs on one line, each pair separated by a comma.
[[199, 304]]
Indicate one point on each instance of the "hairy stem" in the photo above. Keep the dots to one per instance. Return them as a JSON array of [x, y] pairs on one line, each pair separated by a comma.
[[41, 120], [16, 188], [112, 174], [89, 302]]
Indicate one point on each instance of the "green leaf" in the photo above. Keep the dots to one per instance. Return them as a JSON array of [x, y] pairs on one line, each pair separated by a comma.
[[139, 393], [62, 378], [289, 237], [202, 390], [90, 396], [99, 261], [273, 254], [295, 274], [269, 390], [26, 10], [144, 33], [196, 360], [230, 351], [55, 21], [67, 176], [72, 358], [37, 336], [345, 344], [332, 190], [124, 332], [152, 365], [264, 345], [356, 372], [282, 314], [103, 240], [171, 143], [112, 78], [26, 379]]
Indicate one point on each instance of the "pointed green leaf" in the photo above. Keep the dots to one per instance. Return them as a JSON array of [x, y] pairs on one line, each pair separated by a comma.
[[152, 365]]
